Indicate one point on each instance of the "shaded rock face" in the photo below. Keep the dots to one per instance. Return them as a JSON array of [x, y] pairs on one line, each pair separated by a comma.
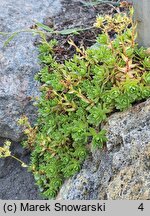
[[16, 182], [123, 171], [19, 61]]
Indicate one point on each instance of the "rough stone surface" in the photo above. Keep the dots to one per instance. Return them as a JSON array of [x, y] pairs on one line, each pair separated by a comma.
[[16, 182], [123, 171], [19, 62]]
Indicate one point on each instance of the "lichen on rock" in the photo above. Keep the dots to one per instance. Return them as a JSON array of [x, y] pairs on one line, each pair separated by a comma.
[[132, 182]]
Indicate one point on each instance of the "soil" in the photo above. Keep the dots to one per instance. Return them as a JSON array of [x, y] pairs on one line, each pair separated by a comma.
[[16, 182], [75, 15]]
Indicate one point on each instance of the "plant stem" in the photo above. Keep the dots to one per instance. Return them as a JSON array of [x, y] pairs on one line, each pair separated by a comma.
[[17, 159], [100, 2]]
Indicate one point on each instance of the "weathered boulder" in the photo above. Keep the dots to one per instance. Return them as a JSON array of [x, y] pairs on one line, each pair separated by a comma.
[[19, 62], [123, 170]]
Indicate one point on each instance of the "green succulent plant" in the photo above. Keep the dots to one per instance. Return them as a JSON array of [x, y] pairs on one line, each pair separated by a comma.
[[77, 97]]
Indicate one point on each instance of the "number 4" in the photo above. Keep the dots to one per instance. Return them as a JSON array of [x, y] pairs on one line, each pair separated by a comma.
[[141, 207]]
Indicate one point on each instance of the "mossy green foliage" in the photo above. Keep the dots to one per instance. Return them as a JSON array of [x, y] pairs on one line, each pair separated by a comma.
[[78, 95]]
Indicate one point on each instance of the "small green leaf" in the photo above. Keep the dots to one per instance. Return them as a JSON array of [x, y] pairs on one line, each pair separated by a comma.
[[10, 39], [70, 31], [45, 27]]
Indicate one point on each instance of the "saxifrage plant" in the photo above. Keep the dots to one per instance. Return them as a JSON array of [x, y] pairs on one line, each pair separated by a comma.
[[6, 152], [78, 95]]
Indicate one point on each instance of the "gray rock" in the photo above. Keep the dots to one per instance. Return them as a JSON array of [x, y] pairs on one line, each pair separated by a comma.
[[19, 61], [16, 182], [123, 170]]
